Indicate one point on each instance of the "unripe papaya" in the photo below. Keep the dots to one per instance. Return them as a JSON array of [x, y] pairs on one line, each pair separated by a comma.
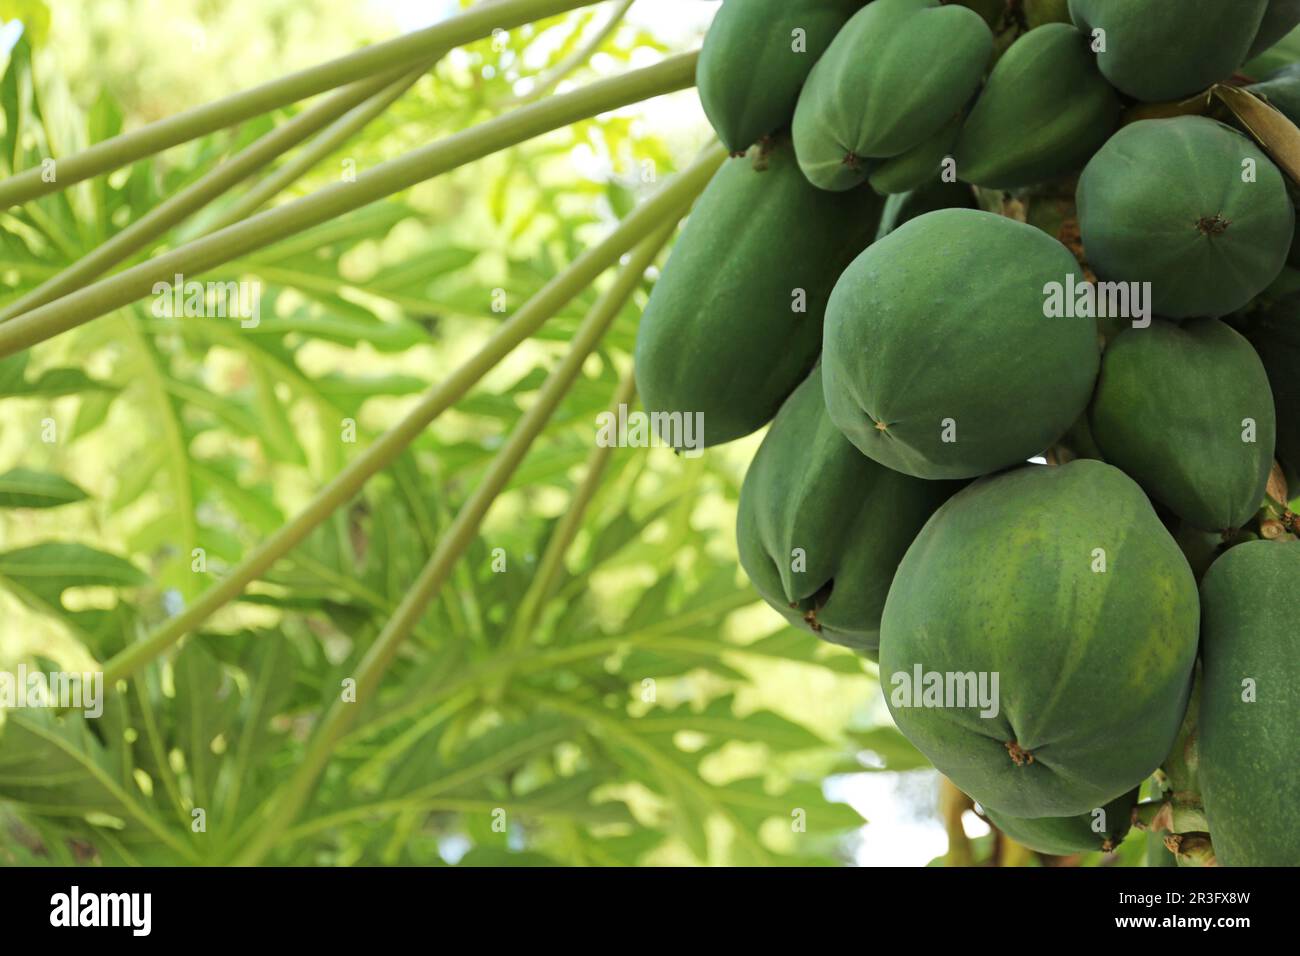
[[1188, 413], [892, 78], [1101, 829], [939, 361], [1058, 597], [821, 527], [1156, 50], [1191, 206], [1282, 90], [755, 59], [1250, 705], [919, 165], [1274, 331], [1044, 111], [1281, 17], [734, 323]]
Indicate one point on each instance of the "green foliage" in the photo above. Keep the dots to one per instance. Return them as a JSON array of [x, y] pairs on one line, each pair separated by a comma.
[[624, 726], [885, 328], [1063, 582], [1250, 705]]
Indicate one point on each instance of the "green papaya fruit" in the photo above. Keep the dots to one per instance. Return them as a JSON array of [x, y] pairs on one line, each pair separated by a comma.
[[1188, 413], [1281, 17], [1274, 331], [734, 323], [1282, 89], [1046, 590], [1250, 705], [1191, 206], [1045, 110], [1156, 50], [919, 165], [1099, 830], [926, 354], [821, 527], [755, 59], [892, 78]]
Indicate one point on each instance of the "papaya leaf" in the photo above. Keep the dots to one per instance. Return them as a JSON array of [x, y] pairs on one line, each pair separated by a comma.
[[39, 574], [25, 488]]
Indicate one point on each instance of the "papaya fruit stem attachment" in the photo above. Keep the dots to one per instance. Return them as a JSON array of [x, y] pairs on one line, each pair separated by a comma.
[[1214, 225], [1176, 814], [1019, 756], [1191, 849]]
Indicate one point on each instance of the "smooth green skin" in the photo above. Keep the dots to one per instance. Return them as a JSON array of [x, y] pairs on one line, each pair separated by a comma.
[[1095, 669], [719, 335], [1045, 110], [930, 324], [1159, 50], [1168, 410], [1275, 334], [1250, 775], [809, 489], [919, 165], [893, 78], [1282, 90], [1063, 836], [1281, 17], [749, 74], [1163, 202]]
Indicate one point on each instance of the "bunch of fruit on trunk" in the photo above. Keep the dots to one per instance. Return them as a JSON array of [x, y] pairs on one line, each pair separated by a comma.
[[1011, 283]]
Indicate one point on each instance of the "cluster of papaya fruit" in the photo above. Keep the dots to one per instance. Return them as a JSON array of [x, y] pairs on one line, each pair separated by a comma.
[[1013, 284]]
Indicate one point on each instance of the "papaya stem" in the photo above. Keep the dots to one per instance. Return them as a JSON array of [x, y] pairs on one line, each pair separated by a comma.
[[331, 139], [1191, 849], [397, 54], [295, 794], [667, 205], [574, 60], [542, 586], [204, 190], [277, 224], [953, 804]]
